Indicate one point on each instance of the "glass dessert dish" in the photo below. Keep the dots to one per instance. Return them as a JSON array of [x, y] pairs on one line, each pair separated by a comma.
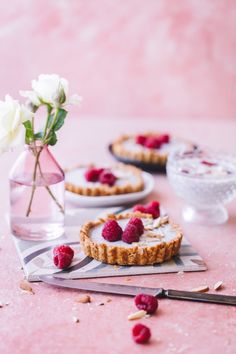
[[206, 181]]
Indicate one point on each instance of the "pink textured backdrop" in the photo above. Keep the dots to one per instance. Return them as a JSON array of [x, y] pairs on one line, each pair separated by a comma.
[[156, 58]]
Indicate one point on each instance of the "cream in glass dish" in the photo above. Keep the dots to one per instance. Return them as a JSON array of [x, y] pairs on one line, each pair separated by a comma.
[[206, 181]]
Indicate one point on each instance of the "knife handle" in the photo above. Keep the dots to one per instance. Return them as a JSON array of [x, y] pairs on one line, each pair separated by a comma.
[[201, 297]]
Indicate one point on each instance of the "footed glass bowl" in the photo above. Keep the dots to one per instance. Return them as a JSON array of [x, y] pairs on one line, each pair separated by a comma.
[[206, 181]]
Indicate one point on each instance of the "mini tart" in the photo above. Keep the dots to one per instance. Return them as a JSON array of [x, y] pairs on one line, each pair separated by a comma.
[[126, 147], [156, 245], [129, 180]]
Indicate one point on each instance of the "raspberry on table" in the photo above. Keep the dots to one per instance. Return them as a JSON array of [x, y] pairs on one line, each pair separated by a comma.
[[92, 174], [138, 223], [63, 249], [107, 177], [130, 234], [146, 302], [112, 231], [140, 139], [141, 334], [62, 256]]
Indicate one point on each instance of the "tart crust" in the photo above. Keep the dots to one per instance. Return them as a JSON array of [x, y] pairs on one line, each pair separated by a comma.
[[146, 156], [136, 255], [105, 189]]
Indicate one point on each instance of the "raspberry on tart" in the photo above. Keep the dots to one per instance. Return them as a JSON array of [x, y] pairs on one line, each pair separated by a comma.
[[100, 181], [112, 231], [152, 208], [160, 240], [148, 148]]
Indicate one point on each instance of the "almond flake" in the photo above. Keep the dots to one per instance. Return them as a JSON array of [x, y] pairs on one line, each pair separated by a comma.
[[83, 299], [75, 319], [148, 228], [164, 220], [157, 223], [201, 289], [137, 315], [26, 287], [218, 285]]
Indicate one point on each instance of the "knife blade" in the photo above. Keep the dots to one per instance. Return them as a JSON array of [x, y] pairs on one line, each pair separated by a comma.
[[128, 290]]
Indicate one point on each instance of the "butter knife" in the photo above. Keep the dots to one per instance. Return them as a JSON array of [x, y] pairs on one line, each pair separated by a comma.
[[128, 290]]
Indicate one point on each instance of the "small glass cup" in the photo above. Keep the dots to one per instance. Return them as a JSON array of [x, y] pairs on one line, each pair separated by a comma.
[[36, 195], [206, 181]]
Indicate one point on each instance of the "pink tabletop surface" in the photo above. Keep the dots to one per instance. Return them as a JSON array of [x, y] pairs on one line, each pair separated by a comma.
[[43, 323]]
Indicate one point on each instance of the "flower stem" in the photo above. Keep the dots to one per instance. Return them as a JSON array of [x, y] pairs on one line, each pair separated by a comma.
[[34, 182]]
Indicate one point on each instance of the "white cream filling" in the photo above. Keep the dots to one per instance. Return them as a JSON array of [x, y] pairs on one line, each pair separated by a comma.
[[131, 145], [77, 177], [163, 233]]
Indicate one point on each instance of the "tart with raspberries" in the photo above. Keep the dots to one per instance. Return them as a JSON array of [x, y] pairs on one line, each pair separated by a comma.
[[91, 180], [131, 239], [148, 150]]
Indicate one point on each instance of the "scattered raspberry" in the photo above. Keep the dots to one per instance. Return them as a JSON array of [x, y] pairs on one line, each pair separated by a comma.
[[138, 223], [63, 249], [92, 174], [140, 139], [130, 234], [141, 334], [62, 256], [152, 208], [112, 231], [152, 143], [106, 177], [146, 302]]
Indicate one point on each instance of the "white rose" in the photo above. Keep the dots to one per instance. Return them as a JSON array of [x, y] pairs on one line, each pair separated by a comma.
[[51, 89], [32, 97], [12, 131]]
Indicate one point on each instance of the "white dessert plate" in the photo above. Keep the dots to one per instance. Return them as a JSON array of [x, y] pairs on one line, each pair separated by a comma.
[[113, 200]]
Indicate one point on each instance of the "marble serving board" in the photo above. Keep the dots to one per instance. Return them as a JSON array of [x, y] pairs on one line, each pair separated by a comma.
[[36, 257]]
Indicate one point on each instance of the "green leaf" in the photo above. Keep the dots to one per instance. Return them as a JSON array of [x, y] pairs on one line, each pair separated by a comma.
[[38, 136], [29, 133], [60, 119], [52, 139]]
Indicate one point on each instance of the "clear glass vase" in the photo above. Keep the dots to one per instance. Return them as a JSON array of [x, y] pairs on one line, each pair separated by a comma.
[[36, 195]]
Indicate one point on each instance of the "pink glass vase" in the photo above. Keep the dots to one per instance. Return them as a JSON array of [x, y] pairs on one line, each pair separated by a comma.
[[36, 195]]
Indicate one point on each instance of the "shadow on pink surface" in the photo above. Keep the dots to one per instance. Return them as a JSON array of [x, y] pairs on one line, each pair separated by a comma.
[[162, 58]]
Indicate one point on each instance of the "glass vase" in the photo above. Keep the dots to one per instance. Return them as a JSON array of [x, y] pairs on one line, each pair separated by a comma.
[[36, 195]]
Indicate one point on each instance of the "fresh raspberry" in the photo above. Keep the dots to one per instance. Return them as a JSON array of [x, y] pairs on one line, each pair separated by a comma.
[[164, 138], [106, 177], [152, 208], [92, 174], [138, 223], [130, 234], [140, 139], [152, 143], [146, 302], [63, 249], [62, 256], [140, 208], [141, 334], [112, 231]]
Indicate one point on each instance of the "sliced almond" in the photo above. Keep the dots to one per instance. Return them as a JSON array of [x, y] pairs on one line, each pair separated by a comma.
[[137, 315], [157, 223], [201, 289], [218, 285], [164, 220], [83, 299], [75, 319], [26, 287], [148, 228]]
